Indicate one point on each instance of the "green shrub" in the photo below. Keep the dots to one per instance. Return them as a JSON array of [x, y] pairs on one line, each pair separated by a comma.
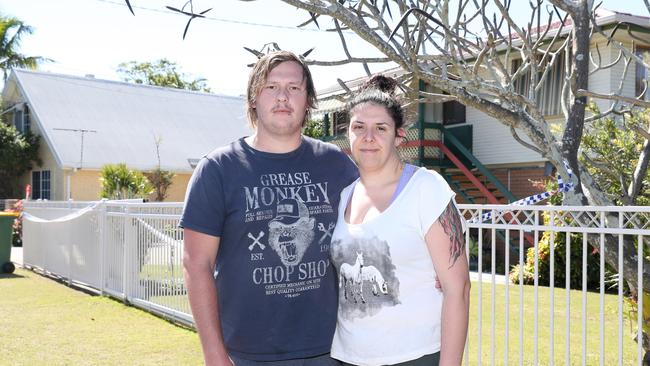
[[544, 263], [120, 182]]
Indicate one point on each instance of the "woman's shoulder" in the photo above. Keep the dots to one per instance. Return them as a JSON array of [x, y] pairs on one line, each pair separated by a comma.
[[428, 177]]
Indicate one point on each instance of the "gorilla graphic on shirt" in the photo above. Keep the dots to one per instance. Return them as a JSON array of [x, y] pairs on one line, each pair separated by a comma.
[[291, 231]]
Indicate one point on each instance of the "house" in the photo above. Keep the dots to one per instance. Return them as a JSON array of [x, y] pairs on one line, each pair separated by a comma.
[[86, 123], [504, 167]]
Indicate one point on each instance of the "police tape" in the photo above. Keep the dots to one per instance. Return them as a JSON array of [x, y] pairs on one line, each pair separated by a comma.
[[536, 198]]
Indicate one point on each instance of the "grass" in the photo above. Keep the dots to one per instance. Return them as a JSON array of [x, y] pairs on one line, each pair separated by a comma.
[[611, 351], [46, 323]]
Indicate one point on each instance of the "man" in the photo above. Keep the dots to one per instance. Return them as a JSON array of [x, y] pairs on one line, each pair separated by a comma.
[[258, 219]]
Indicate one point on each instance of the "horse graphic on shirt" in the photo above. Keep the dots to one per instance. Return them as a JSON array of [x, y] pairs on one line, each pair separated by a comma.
[[350, 278], [372, 275]]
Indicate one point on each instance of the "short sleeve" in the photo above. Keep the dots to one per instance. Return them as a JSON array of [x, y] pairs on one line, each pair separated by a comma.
[[204, 206], [435, 195]]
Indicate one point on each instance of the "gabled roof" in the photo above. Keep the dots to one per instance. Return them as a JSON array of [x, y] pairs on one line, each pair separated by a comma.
[[330, 98], [604, 17], [128, 118]]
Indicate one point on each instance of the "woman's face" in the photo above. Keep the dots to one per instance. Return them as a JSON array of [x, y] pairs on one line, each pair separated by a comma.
[[373, 137]]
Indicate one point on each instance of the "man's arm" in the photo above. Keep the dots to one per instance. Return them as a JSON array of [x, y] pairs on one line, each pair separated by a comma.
[[446, 246], [199, 255]]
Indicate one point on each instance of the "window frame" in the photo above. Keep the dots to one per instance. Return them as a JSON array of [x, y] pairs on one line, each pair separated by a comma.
[[41, 181], [641, 73], [549, 98], [22, 119]]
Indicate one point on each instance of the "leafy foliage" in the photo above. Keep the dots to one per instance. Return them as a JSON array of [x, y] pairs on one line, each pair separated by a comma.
[[17, 227], [18, 154], [544, 261], [11, 32], [120, 182], [160, 73], [559, 244], [313, 128], [611, 150], [161, 180], [632, 304]]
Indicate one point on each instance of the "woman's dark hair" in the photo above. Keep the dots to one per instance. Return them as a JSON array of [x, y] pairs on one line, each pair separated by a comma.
[[380, 90]]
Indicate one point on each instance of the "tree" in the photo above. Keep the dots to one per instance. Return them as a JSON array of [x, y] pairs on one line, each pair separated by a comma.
[[160, 179], [440, 45], [11, 32], [120, 182], [18, 154], [160, 73]]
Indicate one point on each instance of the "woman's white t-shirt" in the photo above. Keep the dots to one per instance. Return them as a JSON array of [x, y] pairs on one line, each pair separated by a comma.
[[389, 309]]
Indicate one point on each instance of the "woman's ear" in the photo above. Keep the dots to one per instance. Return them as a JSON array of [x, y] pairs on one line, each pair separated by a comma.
[[400, 136]]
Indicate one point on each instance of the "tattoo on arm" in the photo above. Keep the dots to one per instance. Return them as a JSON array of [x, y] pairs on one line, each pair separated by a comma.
[[450, 222]]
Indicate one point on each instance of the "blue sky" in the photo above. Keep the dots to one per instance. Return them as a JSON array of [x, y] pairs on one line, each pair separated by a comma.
[[94, 36]]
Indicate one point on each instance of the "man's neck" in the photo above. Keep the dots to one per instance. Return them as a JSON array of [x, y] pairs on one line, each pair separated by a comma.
[[274, 144]]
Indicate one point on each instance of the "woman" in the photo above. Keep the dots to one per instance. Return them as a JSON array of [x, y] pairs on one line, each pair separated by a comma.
[[398, 229]]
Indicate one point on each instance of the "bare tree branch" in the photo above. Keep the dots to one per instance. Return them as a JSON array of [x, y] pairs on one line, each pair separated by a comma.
[[620, 98], [514, 134]]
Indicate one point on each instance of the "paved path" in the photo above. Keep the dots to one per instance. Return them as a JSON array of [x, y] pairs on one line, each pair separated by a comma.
[[17, 258], [487, 277]]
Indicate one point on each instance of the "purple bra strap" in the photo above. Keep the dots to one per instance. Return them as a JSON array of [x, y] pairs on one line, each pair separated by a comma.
[[407, 173]]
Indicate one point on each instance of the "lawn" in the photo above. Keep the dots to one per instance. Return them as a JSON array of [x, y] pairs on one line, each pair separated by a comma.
[[46, 323], [544, 295]]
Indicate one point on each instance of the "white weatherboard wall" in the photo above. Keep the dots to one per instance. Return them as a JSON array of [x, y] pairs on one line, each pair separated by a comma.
[[493, 142]]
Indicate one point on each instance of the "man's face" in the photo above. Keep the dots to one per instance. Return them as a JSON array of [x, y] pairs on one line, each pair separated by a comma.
[[282, 103]]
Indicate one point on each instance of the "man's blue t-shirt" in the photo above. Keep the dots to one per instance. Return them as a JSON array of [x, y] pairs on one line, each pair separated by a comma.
[[274, 214]]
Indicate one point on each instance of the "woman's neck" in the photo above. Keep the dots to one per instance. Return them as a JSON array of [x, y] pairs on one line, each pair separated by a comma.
[[388, 174]]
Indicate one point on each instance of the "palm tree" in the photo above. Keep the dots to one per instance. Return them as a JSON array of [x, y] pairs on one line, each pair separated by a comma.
[[11, 32]]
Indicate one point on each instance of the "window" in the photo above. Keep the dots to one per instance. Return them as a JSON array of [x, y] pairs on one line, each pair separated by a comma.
[[41, 185], [453, 113], [641, 78], [549, 95], [447, 113], [22, 118], [27, 120]]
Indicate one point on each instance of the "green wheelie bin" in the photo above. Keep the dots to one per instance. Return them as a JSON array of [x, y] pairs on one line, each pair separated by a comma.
[[6, 224]]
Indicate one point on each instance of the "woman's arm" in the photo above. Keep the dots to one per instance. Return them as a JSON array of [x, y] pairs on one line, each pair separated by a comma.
[[446, 246]]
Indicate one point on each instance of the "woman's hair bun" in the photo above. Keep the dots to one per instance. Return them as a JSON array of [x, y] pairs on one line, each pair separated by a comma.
[[382, 83]]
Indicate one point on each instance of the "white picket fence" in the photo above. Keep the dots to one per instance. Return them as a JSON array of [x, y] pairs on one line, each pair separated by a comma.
[[133, 251]]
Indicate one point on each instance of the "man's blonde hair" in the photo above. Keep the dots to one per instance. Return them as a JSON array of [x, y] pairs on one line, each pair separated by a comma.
[[260, 73]]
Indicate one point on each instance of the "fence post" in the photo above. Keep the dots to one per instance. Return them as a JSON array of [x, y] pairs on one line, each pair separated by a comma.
[[69, 233], [102, 246], [128, 235]]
